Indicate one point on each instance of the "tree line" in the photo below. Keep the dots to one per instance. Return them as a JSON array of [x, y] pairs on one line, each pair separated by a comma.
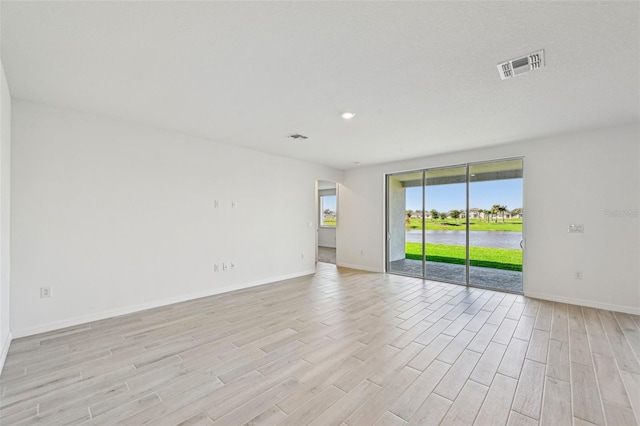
[[496, 211]]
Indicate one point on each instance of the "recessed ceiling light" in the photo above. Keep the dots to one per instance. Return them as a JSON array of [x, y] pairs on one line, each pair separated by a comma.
[[348, 115]]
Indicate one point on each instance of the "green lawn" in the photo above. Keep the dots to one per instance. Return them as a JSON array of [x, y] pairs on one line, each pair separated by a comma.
[[329, 221], [508, 259], [510, 225]]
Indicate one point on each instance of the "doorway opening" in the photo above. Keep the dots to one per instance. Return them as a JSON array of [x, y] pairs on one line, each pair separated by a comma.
[[327, 221], [460, 224]]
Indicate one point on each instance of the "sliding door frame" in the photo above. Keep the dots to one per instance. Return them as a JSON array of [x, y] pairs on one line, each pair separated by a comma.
[[467, 222], [424, 223], [467, 235]]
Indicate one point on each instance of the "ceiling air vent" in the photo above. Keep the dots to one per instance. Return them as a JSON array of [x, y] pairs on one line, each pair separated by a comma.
[[522, 65], [298, 136]]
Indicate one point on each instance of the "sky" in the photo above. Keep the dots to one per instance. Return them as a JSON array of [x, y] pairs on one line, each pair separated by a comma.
[[482, 195], [328, 202]]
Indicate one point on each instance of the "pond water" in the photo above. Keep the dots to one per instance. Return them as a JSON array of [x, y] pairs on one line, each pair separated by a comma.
[[496, 239]]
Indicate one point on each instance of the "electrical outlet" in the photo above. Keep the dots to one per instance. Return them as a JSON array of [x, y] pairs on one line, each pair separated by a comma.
[[216, 268], [216, 204], [301, 255], [578, 275], [361, 252], [45, 292]]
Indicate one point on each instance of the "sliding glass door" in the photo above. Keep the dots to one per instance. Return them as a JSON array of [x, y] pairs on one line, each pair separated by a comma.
[[495, 197], [460, 224], [446, 228]]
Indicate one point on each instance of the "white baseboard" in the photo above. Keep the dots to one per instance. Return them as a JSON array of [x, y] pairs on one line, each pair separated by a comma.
[[56, 325], [582, 302], [5, 351], [326, 246], [361, 267]]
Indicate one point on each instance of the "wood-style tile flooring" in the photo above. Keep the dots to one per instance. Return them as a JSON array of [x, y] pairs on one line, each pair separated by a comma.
[[341, 347]]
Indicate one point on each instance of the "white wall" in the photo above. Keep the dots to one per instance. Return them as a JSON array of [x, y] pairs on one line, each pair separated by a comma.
[[5, 202], [570, 178], [117, 217], [397, 216], [326, 234], [327, 237]]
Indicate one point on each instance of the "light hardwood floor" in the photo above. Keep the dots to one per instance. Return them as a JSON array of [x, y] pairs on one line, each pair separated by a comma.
[[341, 347]]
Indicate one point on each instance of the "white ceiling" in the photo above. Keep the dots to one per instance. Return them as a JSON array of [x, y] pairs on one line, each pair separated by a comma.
[[421, 76]]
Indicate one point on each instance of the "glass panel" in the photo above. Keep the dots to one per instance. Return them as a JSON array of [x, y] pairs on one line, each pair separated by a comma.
[[495, 231], [404, 223], [328, 210], [446, 237]]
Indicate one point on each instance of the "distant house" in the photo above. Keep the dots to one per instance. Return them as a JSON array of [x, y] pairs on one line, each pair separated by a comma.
[[475, 213]]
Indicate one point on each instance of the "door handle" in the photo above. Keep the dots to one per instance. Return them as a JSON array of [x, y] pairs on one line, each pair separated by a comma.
[[522, 244], [388, 236]]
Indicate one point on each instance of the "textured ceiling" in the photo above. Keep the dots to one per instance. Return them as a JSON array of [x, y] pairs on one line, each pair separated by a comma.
[[421, 76]]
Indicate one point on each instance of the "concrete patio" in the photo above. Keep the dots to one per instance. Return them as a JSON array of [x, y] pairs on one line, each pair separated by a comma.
[[496, 279]]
